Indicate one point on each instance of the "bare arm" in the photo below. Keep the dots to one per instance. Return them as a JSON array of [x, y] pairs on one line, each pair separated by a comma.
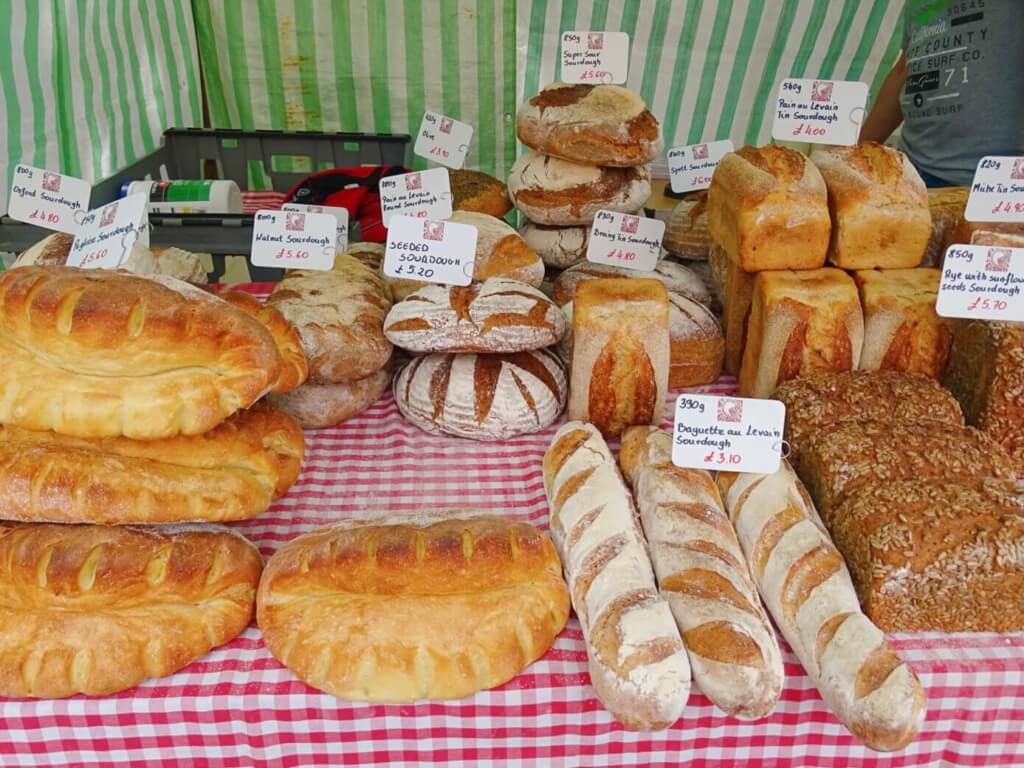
[[886, 115]]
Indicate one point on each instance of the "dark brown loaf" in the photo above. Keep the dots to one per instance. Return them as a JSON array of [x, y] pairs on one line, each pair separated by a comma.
[[478, 192]]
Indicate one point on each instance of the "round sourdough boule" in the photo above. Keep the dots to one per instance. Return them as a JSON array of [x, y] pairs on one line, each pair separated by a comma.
[[675, 277], [97, 609], [482, 397], [478, 192], [591, 124], [558, 247], [560, 193], [370, 254], [316, 406], [686, 232], [501, 251]]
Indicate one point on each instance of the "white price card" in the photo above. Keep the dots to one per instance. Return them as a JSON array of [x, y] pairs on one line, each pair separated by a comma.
[[997, 192], [625, 240], [690, 167], [421, 194], [595, 57], [107, 234], [431, 251], [293, 240], [48, 199], [340, 216], [983, 282], [444, 140], [730, 434], [820, 111]]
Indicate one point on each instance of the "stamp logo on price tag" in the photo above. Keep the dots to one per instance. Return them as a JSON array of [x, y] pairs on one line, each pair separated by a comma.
[[820, 111], [430, 250], [595, 57], [983, 282], [691, 167], [48, 199], [444, 140], [997, 192], [340, 216], [730, 434], [625, 240], [293, 239], [107, 234], [421, 194]]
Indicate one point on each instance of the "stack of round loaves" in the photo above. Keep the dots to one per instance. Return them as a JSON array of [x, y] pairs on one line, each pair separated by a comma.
[[590, 150], [482, 370], [131, 400]]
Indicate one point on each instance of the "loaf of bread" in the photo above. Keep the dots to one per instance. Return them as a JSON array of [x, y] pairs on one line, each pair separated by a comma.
[[317, 406], [702, 574], [53, 251], [836, 463], [817, 401], [902, 331], [591, 124], [501, 251], [935, 556], [675, 277], [496, 315], [559, 193], [808, 591], [482, 397], [964, 232], [96, 610], [986, 374], [558, 247], [734, 288], [800, 323], [946, 206], [478, 192], [686, 231], [879, 205], [369, 254], [620, 353], [637, 662], [768, 208], [94, 353], [996, 238], [339, 315], [396, 611]]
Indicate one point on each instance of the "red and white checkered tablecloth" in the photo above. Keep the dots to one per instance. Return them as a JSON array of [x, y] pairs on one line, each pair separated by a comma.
[[239, 707]]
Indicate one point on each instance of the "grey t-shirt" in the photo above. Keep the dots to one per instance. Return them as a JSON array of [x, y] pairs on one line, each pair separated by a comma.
[[964, 95]]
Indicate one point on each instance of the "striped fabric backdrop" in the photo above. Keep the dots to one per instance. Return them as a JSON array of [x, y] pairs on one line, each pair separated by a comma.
[[123, 71]]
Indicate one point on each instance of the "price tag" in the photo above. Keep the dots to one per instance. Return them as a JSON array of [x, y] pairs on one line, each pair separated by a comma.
[[690, 167], [340, 216], [997, 192], [293, 240], [732, 434], [983, 282], [595, 57], [443, 140], [107, 234], [422, 194], [625, 240], [820, 111], [48, 199], [431, 251]]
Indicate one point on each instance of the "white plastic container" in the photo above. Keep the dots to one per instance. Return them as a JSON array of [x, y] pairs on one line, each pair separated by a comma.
[[214, 196]]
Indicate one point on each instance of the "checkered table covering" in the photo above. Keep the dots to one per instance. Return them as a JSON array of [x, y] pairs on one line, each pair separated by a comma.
[[239, 707]]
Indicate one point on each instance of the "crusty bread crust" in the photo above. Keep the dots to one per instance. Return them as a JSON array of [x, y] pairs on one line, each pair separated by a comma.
[[478, 192], [317, 406], [686, 231]]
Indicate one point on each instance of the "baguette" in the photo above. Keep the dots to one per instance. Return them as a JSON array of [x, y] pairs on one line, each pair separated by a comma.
[[638, 665], [702, 574], [805, 584]]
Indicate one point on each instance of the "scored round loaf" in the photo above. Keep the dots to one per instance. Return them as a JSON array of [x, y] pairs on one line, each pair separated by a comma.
[[591, 124], [675, 277], [396, 612], [477, 191], [370, 254], [501, 251], [558, 247], [316, 406], [94, 353], [97, 609], [686, 232], [496, 315], [482, 397], [232, 472], [559, 193]]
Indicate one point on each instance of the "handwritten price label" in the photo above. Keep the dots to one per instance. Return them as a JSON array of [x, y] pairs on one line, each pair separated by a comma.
[[107, 234], [430, 250], [625, 240], [982, 282], [820, 111], [732, 434], [421, 194], [595, 57], [48, 199], [443, 139], [997, 192], [340, 216], [294, 239], [692, 166]]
